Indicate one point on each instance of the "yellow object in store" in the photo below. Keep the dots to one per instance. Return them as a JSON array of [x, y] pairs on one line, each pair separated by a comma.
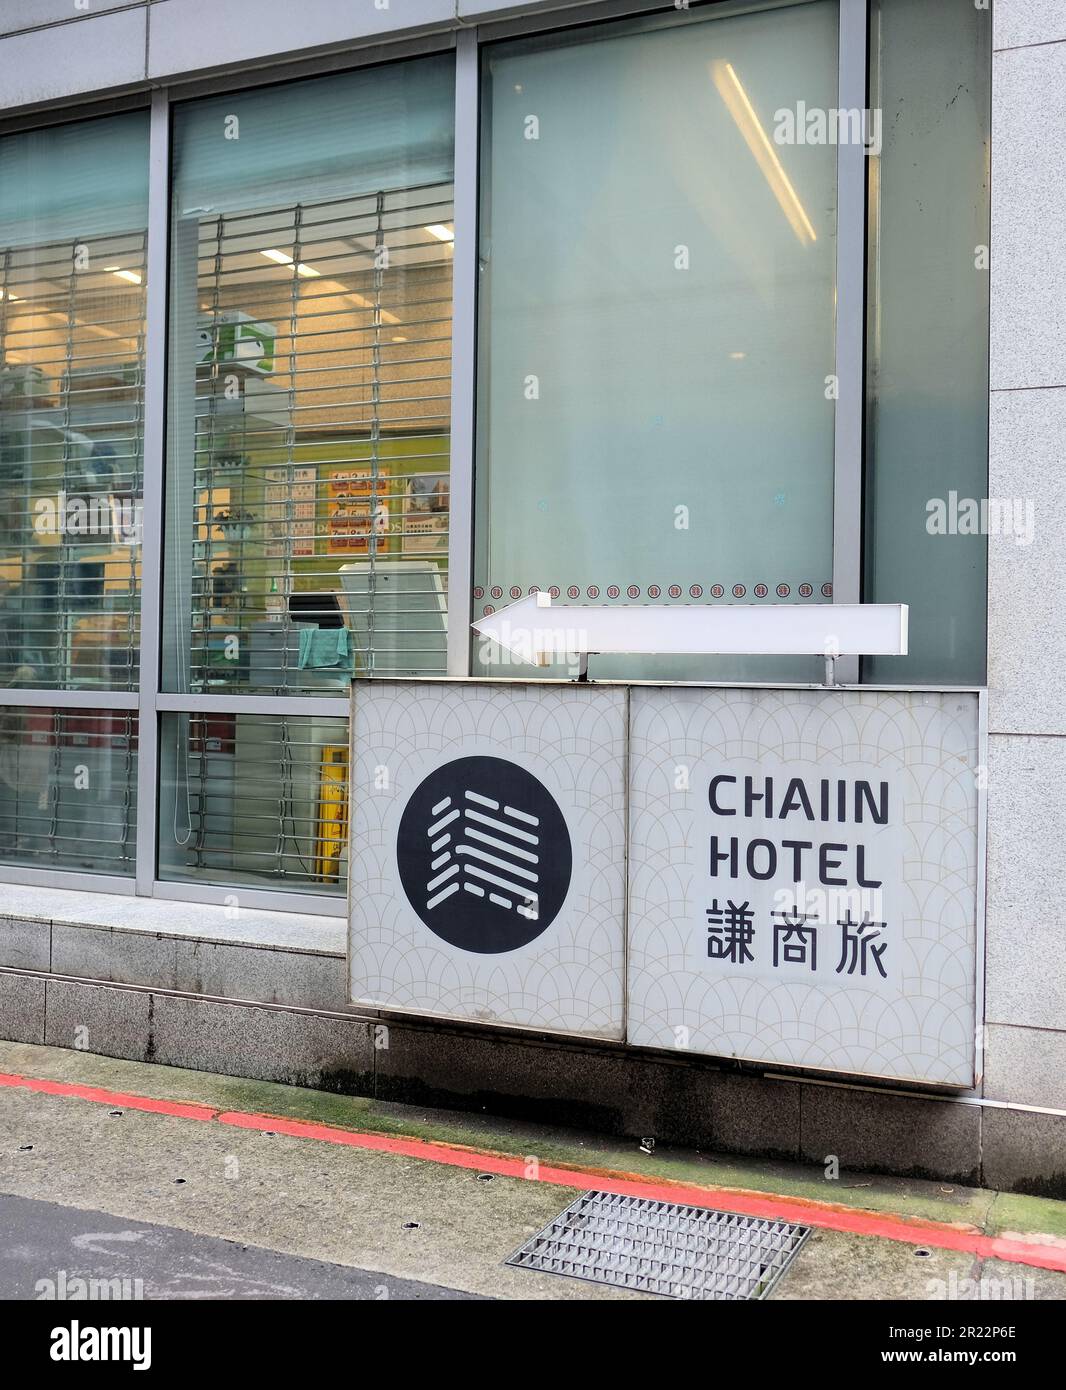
[[331, 830]]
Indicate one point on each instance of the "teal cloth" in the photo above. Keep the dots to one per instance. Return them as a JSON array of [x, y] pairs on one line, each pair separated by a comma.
[[323, 646]]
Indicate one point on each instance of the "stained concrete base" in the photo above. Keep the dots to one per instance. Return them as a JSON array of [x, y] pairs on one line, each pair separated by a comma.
[[243, 1008]]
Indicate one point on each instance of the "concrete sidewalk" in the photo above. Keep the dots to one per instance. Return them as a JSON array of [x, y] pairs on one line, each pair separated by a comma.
[[422, 1211]]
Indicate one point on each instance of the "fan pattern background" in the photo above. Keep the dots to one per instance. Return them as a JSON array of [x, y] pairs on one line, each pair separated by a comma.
[[573, 738], [917, 1025]]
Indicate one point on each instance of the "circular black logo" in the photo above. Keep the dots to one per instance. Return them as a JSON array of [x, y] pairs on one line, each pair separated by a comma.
[[484, 855]]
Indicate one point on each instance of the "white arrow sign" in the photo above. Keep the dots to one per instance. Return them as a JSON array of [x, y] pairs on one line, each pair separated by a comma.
[[538, 634]]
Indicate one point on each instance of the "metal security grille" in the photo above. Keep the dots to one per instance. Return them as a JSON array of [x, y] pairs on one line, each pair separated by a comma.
[[663, 1248], [319, 492], [250, 798], [68, 782], [71, 449]]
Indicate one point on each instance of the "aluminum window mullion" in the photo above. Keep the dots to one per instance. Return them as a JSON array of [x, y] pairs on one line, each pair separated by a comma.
[[464, 346], [88, 700], [850, 325], [252, 899], [239, 703], [155, 340], [64, 878]]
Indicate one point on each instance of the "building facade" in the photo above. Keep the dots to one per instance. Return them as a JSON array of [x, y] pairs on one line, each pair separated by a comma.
[[329, 330]]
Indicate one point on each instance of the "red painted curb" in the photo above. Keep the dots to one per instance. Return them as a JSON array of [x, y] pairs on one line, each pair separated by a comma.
[[805, 1211], [180, 1109]]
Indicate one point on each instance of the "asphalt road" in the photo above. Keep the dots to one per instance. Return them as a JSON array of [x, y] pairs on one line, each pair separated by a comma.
[[46, 1249]]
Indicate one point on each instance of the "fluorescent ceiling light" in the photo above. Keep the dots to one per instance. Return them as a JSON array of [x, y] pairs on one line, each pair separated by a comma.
[[440, 231], [281, 258], [130, 275], [740, 108]]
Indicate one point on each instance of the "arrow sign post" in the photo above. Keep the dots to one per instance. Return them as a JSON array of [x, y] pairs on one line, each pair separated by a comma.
[[535, 632]]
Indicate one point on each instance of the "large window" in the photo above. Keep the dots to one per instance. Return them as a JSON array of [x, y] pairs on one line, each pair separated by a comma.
[[73, 270], [659, 361], [310, 383], [73, 219], [657, 322], [308, 499]]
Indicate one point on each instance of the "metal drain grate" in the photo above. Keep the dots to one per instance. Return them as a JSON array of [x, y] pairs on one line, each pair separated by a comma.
[[663, 1248]]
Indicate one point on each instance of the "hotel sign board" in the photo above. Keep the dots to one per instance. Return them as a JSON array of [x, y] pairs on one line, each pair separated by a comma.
[[781, 875]]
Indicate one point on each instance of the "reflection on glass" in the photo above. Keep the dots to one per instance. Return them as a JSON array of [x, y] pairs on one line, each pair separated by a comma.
[[68, 785], [310, 383], [73, 213], [927, 435], [657, 329], [256, 800]]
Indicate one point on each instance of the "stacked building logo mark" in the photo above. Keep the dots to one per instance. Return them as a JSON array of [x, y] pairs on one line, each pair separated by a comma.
[[484, 854], [484, 849]]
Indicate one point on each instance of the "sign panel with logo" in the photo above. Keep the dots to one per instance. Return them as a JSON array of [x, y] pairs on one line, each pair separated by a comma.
[[803, 870], [804, 877], [488, 852]]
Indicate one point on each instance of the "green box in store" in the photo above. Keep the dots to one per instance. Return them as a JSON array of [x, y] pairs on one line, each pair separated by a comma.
[[233, 338]]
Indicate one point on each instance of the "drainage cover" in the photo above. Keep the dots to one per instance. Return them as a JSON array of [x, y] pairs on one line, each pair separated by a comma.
[[663, 1248]]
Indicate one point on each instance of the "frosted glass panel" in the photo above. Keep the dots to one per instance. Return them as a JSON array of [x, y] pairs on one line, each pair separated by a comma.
[[74, 181], [928, 349], [327, 137], [658, 322]]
